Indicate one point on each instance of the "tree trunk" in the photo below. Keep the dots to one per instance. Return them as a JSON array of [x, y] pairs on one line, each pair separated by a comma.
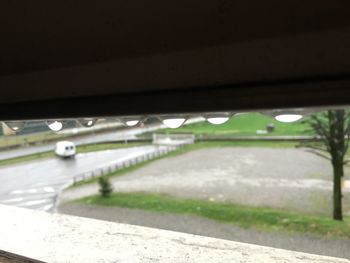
[[338, 172], [336, 120]]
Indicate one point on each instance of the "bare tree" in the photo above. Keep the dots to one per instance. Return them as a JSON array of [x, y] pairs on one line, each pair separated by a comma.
[[333, 127]]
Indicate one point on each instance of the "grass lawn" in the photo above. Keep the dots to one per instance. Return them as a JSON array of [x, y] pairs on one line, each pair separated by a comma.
[[13, 140], [107, 146], [266, 144], [243, 216], [245, 124], [80, 149], [26, 158]]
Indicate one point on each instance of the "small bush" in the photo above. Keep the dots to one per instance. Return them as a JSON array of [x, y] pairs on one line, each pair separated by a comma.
[[105, 186]]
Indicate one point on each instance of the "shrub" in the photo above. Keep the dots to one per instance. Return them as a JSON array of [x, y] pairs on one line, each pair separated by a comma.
[[105, 186]]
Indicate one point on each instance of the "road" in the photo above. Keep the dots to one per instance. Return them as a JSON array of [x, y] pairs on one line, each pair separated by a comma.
[[36, 184], [125, 134]]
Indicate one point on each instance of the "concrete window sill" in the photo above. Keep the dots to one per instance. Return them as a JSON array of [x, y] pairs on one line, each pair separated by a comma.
[[59, 238]]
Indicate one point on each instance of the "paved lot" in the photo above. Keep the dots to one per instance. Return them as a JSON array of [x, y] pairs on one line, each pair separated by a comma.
[[205, 227], [290, 179], [284, 178]]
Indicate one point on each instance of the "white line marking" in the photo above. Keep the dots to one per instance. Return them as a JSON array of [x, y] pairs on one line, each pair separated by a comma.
[[46, 208], [17, 192], [49, 189], [18, 199], [35, 202], [347, 184], [32, 191]]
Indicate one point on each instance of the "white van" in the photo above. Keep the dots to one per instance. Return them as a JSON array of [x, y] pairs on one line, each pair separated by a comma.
[[65, 149]]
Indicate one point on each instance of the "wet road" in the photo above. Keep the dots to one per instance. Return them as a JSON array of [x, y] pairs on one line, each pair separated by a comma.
[[35, 184], [125, 134]]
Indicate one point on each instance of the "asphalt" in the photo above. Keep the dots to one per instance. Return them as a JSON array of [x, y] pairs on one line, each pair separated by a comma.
[[206, 227], [125, 134], [290, 179], [98, 137], [36, 184]]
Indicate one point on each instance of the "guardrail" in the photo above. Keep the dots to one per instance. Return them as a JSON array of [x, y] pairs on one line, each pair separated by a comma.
[[305, 138], [166, 149], [173, 139], [119, 165]]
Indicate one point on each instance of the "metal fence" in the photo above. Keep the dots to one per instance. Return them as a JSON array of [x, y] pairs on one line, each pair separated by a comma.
[[173, 139], [119, 165]]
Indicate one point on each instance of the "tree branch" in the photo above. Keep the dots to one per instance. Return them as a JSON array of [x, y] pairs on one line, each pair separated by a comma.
[[346, 161], [319, 154], [315, 148]]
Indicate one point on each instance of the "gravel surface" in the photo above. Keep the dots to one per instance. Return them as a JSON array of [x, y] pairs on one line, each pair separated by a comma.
[[292, 179], [205, 227]]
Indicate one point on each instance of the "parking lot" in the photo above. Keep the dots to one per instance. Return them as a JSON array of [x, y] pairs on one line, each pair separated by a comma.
[[291, 179]]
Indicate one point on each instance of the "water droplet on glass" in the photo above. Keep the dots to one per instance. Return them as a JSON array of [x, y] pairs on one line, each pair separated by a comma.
[[174, 123], [218, 120], [288, 117], [16, 126], [88, 122], [131, 123], [55, 125], [131, 120]]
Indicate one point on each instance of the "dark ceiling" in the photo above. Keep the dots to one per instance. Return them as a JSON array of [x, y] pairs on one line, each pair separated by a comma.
[[40, 35], [67, 50]]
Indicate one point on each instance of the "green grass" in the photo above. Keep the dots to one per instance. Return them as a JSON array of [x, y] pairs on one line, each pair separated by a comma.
[[17, 140], [80, 149], [245, 124], [26, 158], [264, 144], [107, 146], [242, 216]]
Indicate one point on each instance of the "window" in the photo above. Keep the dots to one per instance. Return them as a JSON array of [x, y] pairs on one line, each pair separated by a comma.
[[264, 177]]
